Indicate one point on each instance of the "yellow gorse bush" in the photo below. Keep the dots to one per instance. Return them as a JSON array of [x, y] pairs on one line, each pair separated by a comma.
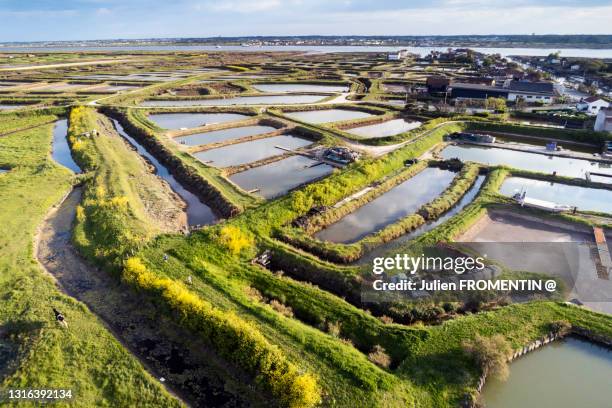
[[234, 239], [233, 337]]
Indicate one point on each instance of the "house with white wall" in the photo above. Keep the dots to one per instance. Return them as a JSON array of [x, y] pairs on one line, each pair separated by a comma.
[[592, 105], [603, 122]]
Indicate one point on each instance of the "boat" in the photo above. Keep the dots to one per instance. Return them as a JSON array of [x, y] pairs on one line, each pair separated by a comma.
[[550, 206]]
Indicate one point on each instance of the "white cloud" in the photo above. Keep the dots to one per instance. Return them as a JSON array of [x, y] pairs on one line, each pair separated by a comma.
[[103, 11], [245, 6]]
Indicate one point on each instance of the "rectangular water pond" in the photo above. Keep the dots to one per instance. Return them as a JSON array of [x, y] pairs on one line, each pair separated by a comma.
[[397, 203], [388, 128], [328, 115], [586, 199], [276, 179], [300, 88], [241, 100], [528, 161], [397, 243], [223, 135], [116, 88], [564, 374], [247, 152], [9, 107], [191, 120]]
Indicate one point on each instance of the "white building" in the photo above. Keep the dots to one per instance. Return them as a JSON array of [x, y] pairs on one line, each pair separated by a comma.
[[603, 122], [592, 105], [397, 56]]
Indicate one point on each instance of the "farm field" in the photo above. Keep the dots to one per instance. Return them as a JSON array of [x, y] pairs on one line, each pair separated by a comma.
[[208, 223]]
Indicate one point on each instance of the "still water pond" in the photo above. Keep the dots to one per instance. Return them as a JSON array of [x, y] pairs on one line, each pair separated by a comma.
[[400, 201], [60, 149], [528, 161], [396, 243], [587, 199], [565, 374], [9, 107], [247, 152], [223, 135], [198, 213], [388, 128], [240, 100], [328, 115], [191, 120], [300, 88], [276, 179]]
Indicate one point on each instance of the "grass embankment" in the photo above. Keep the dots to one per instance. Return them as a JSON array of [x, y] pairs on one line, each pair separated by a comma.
[[124, 205], [85, 357], [112, 223], [11, 122], [293, 322], [322, 336], [425, 354], [137, 96]]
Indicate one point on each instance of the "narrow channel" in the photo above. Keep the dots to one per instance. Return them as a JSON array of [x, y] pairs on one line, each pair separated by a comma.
[[167, 350], [60, 149], [198, 213]]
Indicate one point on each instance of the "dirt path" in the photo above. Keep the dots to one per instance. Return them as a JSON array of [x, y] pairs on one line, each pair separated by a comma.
[[165, 349]]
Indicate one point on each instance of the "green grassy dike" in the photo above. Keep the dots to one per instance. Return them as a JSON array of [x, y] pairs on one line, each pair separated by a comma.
[[85, 358], [327, 335], [299, 341]]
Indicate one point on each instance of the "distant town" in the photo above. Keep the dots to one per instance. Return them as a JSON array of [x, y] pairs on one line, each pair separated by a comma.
[[511, 41]]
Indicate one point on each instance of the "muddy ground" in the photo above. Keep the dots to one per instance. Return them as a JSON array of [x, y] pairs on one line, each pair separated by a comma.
[[188, 367]]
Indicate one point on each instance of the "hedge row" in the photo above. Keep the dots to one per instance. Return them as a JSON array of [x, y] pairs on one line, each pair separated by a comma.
[[233, 338]]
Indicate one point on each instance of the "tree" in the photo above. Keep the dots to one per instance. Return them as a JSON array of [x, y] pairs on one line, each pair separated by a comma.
[[496, 104], [491, 354], [593, 66]]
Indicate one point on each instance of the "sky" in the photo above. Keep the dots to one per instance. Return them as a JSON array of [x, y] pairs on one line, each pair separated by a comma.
[[45, 20]]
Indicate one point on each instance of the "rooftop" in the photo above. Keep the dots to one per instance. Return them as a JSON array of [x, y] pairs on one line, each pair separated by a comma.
[[532, 87]]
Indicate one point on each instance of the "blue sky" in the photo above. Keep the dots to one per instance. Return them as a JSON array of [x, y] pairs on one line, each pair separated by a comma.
[[26, 20]]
